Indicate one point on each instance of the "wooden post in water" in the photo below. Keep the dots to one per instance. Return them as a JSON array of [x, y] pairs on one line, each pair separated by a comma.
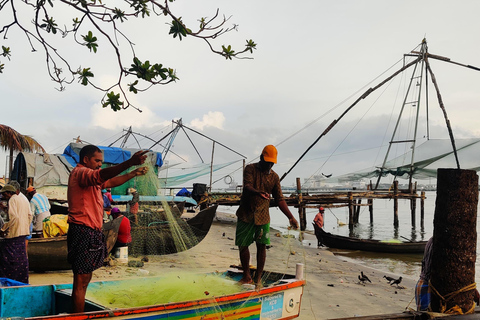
[[357, 211], [454, 241], [395, 204], [370, 209], [422, 209], [301, 210], [413, 203], [350, 210]]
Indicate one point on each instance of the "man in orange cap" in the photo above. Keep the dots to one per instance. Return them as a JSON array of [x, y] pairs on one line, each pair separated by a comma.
[[253, 217]]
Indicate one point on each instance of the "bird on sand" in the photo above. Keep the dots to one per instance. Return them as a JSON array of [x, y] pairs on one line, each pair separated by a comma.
[[396, 281], [363, 278], [389, 279]]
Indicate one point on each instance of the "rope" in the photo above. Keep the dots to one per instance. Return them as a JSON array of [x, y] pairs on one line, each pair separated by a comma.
[[444, 299]]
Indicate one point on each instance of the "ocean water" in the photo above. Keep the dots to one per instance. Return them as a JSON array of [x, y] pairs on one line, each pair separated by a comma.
[[382, 229]]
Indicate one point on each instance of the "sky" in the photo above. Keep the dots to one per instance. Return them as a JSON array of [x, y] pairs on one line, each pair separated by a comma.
[[313, 59]]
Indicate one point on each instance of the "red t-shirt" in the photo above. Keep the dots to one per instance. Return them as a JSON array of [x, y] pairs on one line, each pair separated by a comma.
[[85, 200], [124, 235]]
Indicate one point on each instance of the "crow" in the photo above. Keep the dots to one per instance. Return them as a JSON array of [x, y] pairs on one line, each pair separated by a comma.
[[327, 175], [396, 281], [363, 278], [389, 279]]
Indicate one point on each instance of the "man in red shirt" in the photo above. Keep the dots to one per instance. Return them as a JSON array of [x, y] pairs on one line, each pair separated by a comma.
[[318, 220], [124, 236], [86, 243]]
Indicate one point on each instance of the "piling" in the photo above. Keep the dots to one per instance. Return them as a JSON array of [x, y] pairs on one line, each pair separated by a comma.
[[395, 204], [370, 209], [301, 209], [422, 209], [350, 209], [454, 242]]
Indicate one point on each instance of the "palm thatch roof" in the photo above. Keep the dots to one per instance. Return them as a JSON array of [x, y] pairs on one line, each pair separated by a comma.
[[11, 140]]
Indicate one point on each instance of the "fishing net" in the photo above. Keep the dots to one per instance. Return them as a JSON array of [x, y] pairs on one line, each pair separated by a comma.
[[157, 227], [429, 156]]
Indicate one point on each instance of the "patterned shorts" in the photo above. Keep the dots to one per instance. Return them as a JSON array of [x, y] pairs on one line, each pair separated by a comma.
[[13, 259], [87, 248], [247, 233]]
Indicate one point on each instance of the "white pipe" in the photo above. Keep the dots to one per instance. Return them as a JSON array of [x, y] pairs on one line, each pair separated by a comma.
[[299, 272]]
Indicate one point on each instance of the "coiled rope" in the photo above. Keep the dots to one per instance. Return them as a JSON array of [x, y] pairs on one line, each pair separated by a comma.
[[444, 299]]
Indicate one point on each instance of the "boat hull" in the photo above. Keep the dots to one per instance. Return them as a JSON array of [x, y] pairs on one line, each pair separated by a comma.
[[50, 254], [340, 242], [278, 300]]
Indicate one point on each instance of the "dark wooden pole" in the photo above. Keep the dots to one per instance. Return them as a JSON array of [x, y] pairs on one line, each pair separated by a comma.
[[395, 204], [454, 240], [350, 210], [301, 209], [413, 207], [370, 209], [422, 209], [357, 211]]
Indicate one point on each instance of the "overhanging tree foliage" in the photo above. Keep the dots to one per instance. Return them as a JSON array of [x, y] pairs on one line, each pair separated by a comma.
[[95, 23]]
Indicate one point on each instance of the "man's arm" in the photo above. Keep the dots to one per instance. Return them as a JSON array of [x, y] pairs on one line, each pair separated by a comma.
[[284, 208], [113, 171], [119, 180]]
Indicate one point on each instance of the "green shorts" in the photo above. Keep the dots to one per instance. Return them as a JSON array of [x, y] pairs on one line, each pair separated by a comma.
[[247, 233]]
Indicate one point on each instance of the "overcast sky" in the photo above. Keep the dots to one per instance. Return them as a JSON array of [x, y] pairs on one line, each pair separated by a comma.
[[312, 55]]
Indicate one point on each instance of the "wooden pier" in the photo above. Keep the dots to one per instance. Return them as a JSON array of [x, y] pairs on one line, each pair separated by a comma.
[[354, 200]]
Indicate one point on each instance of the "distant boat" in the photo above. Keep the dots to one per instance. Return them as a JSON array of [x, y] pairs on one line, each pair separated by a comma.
[[341, 242]]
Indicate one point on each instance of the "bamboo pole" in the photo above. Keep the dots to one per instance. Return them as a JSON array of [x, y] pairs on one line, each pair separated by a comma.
[[454, 240]]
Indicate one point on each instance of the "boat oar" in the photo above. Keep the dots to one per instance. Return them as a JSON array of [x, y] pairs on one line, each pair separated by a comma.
[[409, 240], [340, 223]]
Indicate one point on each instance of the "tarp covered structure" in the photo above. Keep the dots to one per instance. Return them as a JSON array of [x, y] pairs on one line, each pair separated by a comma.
[[45, 170], [429, 156]]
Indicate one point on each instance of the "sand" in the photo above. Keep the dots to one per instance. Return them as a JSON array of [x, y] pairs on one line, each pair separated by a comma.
[[332, 291]]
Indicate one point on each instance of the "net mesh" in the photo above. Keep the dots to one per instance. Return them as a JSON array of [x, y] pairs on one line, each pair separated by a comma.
[[157, 227], [429, 156]]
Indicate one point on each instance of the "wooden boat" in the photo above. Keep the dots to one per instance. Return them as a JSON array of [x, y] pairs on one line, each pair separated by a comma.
[[280, 298], [50, 254], [158, 236], [341, 242]]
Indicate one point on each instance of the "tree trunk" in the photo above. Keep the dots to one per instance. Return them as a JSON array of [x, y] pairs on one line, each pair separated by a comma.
[[454, 239]]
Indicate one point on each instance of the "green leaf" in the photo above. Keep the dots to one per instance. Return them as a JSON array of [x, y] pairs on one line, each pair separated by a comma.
[[132, 87], [113, 100], [84, 75], [6, 52], [91, 41], [251, 45], [178, 29], [227, 52]]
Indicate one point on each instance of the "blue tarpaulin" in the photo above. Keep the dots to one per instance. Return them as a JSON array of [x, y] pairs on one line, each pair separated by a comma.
[[111, 155]]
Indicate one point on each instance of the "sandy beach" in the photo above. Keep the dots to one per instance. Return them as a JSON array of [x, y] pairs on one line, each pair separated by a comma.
[[332, 291]]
